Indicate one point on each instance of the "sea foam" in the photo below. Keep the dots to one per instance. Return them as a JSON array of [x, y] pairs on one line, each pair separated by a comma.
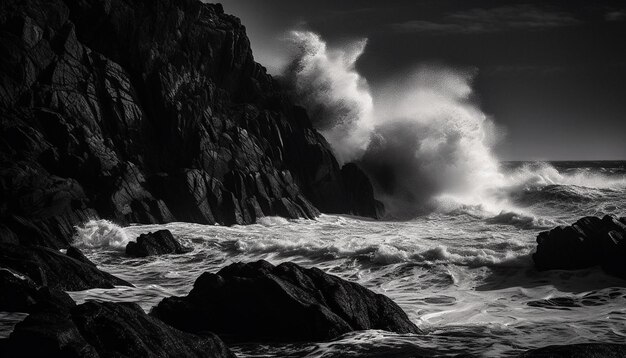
[[100, 234], [417, 137]]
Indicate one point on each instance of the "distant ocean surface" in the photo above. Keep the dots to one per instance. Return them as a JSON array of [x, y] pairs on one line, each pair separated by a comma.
[[463, 272]]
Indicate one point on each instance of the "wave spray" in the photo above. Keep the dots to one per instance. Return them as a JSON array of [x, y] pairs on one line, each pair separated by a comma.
[[420, 138]]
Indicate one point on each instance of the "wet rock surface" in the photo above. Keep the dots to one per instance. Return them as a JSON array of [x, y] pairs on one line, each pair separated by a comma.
[[51, 268], [155, 243], [19, 293], [262, 302], [150, 112], [590, 241], [105, 329]]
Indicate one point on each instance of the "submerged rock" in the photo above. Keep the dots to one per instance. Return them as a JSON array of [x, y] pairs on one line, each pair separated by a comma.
[[262, 302], [155, 243], [585, 350], [588, 242], [48, 267], [105, 329]]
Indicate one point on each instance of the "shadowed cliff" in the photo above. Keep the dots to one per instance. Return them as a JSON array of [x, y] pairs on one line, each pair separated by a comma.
[[150, 112]]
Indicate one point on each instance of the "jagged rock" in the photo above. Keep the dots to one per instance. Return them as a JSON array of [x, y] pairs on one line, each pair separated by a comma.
[[588, 242], [259, 301], [155, 243], [75, 253], [48, 267], [47, 334], [20, 294], [105, 329], [585, 350], [108, 111]]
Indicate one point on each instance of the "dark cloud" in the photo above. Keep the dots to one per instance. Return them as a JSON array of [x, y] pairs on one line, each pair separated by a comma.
[[504, 18], [615, 15]]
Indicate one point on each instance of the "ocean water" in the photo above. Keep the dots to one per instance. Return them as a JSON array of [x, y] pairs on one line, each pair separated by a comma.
[[463, 272]]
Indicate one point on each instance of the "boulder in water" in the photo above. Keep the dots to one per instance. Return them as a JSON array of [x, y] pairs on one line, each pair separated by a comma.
[[262, 302], [588, 242], [106, 329], [155, 243]]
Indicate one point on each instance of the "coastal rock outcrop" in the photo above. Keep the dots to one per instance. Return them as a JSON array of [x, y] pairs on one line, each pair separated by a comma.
[[105, 329], [155, 243], [150, 112], [51, 268], [18, 293], [262, 302], [590, 241]]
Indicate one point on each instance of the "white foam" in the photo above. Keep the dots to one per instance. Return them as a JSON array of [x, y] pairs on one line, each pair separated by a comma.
[[521, 220], [272, 221], [386, 254], [100, 233], [542, 174], [337, 97]]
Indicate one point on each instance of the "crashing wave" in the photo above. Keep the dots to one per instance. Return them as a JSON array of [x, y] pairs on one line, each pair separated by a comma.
[[422, 139], [100, 234], [541, 174], [418, 137]]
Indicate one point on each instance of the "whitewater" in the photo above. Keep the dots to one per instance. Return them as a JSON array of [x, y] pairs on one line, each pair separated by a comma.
[[464, 276]]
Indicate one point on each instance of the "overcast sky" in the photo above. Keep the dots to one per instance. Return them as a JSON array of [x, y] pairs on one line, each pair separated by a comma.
[[553, 74]]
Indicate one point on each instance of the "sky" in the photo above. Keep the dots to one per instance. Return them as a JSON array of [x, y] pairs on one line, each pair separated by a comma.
[[550, 74]]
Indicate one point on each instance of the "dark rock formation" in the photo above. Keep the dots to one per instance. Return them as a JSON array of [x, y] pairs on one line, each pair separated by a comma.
[[75, 253], [20, 294], [587, 350], [150, 111], [104, 329], [48, 267], [359, 193], [258, 301], [589, 242], [155, 243]]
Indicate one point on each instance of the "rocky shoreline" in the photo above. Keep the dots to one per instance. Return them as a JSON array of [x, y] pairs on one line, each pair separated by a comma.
[[146, 112], [250, 302], [254, 302], [259, 302], [153, 112]]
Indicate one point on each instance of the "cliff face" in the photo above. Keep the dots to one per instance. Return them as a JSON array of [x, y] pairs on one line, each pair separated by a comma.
[[150, 111]]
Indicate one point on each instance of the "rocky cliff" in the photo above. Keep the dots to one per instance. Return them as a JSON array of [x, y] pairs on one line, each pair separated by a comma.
[[150, 111]]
